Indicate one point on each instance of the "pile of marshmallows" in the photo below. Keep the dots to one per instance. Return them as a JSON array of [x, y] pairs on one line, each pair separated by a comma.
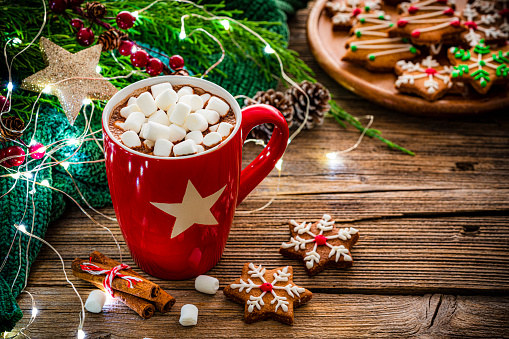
[[164, 118]]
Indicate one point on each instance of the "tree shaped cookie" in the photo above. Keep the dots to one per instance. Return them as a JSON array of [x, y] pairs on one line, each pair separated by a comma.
[[480, 66], [320, 245], [267, 294], [344, 12], [371, 45], [428, 22], [427, 78], [482, 26]]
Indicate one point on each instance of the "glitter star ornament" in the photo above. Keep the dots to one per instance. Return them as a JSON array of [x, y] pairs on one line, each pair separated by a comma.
[[72, 77]]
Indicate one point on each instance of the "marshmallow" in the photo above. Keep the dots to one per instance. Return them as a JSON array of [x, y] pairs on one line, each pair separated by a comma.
[[196, 136], [212, 139], [185, 148], [213, 128], [149, 143], [186, 90], [171, 109], [160, 117], [146, 103], [205, 97], [131, 101], [166, 99], [188, 315], [180, 113], [163, 148], [192, 100], [142, 130], [160, 88], [200, 148], [196, 122], [211, 116], [95, 301], [224, 129], [134, 122], [119, 124], [217, 105], [126, 111], [130, 139], [206, 284], [177, 133], [154, 131]]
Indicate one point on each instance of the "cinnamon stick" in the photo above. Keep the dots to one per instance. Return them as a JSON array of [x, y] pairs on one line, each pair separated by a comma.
[[163, 302], [141, 306]]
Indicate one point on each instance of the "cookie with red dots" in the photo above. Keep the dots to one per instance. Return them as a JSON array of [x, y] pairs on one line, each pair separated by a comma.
[[343, 13], [320, 245], [483, 23]]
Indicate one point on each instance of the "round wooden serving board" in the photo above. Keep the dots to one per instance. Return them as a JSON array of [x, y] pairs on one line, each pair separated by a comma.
[[328, 47]]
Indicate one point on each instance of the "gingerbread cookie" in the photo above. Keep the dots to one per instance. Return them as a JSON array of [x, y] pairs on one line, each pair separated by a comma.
[[372, 47], [344, 12], [482, 26], [427, 78], [267, 294], [480, 66], [320, 245], [428, 22]]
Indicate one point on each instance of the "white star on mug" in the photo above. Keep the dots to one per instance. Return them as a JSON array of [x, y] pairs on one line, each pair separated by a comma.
[[194, 209]]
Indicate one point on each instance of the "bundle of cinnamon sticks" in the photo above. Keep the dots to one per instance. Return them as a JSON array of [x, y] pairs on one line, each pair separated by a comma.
[[144, 297]]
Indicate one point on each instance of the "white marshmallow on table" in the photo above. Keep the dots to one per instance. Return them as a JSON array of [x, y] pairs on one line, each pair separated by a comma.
[[142, 130], [200, 148], [126, 111], [177, 133], [188, 315], [154, 131], [224, 129], [95, 301], [211, 116], [205, 97], [186, 90], [160, 117], [212, 139], [186, 147], [166, 99], [217, 105], [159, 88], [206, 284], [131, 101], [146, 103], [130, 139], [196, 122], [149, 143], [196, 136], [192, 100], [213, 128], [180, 113], [163, 148], [119, 124], [134, 122]]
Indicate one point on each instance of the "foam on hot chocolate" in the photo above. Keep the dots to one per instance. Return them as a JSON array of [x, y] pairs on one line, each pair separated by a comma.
[[171, 121]]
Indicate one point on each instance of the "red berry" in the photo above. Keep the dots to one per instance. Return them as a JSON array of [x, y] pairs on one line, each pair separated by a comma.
[[77, 24], [139, 58], [416, 34], [449, 12], [413, 9], [75, 2], [37, 150], [58, 6], [154, 67], [176, 62], [455, 23], [85, 36], [320, 240], [15, 151], [2, 157], [402, 23], [125, 20], [4, 104], [266, 287], [125, 48]]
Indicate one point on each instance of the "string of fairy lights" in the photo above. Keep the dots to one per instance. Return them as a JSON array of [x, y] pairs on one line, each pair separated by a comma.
[[29, 176]]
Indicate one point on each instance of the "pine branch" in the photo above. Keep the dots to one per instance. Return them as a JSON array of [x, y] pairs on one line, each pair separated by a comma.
[[341, 116]]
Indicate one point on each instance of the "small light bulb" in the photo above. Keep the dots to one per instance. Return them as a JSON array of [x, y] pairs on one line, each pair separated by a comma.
[[135, 14], [28, 175], [133, 50], [32, 191], [16, 41], [226, 24], [98, 69], [65, 164], [34, 312], [182, 35], [15, 175], [22, 228], [268, 49], [72, 141], [81, 334], [45, 183], [279, 163], [47, 89], [10, 86], [331, 155], [87, 101]]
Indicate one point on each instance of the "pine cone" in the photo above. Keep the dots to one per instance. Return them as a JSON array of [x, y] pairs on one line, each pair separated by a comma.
[[14, 128], [94, 10], [319, 97], [111, 39], [274, 98], [181, 72]]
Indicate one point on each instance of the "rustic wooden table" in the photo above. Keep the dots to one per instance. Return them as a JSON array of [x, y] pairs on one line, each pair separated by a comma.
[[432, 260]]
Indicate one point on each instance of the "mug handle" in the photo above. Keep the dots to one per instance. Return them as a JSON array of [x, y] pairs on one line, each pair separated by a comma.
[[261, 166]]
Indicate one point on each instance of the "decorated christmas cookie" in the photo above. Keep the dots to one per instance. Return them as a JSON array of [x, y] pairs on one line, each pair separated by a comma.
[[427, 78], [480, 66], [428, 22], [480, 26], [267, 294], [344, 12], [371, 45], [320, 245]]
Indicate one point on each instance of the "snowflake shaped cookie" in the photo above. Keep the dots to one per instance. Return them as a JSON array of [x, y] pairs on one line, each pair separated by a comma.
[[343, 13], [427, 78], [320, 245], [481, 66], [267, 294], [482, 26]]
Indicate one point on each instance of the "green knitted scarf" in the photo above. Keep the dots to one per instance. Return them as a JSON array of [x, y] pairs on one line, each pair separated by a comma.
[[18, 251]]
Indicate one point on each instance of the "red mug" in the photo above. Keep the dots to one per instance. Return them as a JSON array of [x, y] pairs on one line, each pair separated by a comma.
[[176, 213]]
